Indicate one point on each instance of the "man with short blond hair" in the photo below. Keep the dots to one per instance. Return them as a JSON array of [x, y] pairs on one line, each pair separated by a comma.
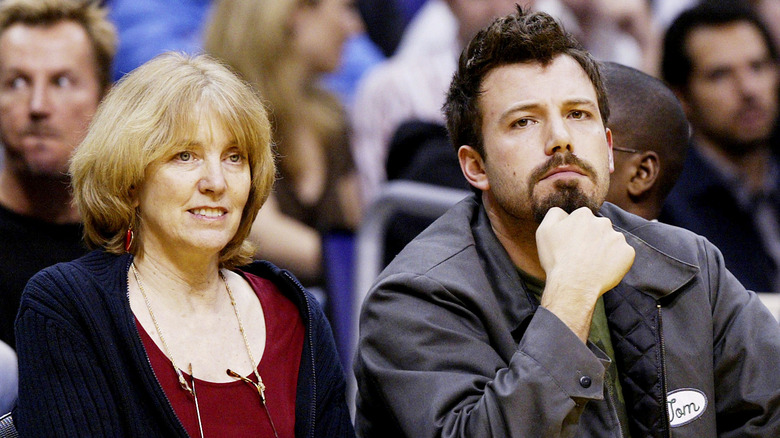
[[55, 65]]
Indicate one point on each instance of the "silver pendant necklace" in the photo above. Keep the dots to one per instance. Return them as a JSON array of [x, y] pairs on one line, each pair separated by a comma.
[[259, 386]]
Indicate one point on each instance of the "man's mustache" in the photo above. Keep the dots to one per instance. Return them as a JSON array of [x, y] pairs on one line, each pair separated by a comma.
[[562, 159], [40, 130]]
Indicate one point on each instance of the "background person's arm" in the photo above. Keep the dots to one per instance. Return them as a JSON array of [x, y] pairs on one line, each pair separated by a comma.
[[287, 242]]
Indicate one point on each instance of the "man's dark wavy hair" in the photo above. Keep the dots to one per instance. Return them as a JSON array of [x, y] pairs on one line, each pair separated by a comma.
[[521, 37], [676, 62]]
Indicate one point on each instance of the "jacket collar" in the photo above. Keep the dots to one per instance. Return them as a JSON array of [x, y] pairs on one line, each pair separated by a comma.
[[517, 303], [654, 272]]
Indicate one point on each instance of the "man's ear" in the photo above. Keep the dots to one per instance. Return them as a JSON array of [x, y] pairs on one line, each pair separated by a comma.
[[473, 167], [647, 167]]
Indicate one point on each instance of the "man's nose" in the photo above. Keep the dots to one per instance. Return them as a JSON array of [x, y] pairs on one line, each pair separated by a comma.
[[558, 136], [40, 101]]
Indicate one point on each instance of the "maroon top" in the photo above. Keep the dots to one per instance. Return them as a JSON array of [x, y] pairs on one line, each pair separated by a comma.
[[234, 408]]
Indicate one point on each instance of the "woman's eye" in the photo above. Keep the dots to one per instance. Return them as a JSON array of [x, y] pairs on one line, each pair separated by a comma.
[[185, 156], [235, 158]]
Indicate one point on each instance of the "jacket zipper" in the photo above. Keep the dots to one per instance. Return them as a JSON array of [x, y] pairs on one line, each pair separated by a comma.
[[149, 362], [667, 427], [309, 329], [615, 410]]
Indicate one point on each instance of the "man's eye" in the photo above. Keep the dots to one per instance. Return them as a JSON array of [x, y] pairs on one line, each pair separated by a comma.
[[63, 81], [577, 114], [763, 65], [521, 123], [717, 75], [17, 83]]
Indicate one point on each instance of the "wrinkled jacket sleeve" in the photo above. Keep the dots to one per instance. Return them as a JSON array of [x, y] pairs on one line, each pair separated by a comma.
[[746, 349], [62, 389], [426, 366]]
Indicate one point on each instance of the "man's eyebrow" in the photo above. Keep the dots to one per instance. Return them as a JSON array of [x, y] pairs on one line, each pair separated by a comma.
[[14, 71], [581, 101], [532, 105], [520, 107]]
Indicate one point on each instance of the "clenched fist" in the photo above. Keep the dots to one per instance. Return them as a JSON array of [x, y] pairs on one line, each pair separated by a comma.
[[583, 257]]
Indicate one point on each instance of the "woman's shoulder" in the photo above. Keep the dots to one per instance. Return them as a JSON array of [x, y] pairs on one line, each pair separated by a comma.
[[93, 271], [96, 263]]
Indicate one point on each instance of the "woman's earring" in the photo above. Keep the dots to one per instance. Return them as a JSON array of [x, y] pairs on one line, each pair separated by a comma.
[[129, 239]]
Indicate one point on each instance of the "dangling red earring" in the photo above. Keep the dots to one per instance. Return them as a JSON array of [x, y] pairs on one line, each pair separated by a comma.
[[129, 239]]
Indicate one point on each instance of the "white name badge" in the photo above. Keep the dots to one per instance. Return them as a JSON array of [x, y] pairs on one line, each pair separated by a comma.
[[685, 405]]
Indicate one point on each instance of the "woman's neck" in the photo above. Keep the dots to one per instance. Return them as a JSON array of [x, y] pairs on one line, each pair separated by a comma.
[[195, 286]]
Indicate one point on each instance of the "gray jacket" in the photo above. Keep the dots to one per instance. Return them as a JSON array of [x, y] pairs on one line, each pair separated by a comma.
[[452, 345]]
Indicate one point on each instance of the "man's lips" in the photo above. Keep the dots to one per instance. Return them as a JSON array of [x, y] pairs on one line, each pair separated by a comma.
[[37, 130], [563, 171]]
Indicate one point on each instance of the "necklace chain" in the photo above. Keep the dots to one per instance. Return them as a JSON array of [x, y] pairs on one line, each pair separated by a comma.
[[260, 386], [182, 381], [243, 335]]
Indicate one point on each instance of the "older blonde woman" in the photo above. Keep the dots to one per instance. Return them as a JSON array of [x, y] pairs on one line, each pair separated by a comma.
[[283, 47], [158, 333]]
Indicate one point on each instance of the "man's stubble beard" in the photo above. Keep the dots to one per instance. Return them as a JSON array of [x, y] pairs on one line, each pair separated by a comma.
[[732, 144], [568, 196]]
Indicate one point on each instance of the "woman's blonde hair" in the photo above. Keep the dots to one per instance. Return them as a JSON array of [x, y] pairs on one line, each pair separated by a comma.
[[255, 38], [142, 119]]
